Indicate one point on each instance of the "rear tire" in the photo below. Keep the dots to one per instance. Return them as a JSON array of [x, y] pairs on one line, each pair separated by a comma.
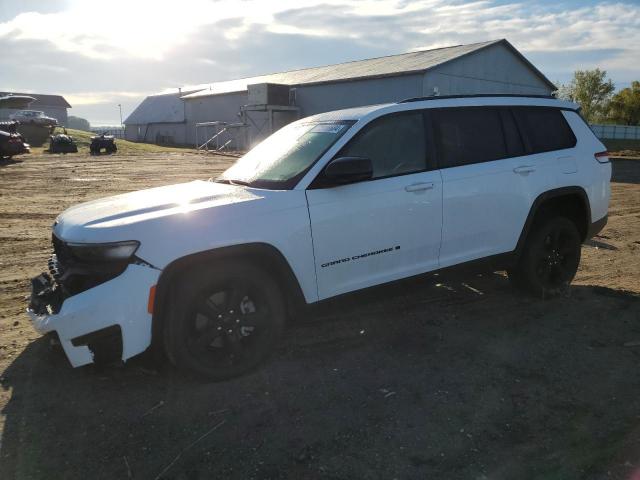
[[550, 258], [223, 319]]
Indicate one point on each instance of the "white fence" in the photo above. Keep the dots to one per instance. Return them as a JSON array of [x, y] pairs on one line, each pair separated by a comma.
[[616, 132], [117, 132]]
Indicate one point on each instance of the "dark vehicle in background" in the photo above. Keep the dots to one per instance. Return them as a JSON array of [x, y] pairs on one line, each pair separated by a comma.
[[103, 141], [11, 142], [62, 143]]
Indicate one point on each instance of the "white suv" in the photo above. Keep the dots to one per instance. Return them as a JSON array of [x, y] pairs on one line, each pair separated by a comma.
[[33, 117], [208, 271]]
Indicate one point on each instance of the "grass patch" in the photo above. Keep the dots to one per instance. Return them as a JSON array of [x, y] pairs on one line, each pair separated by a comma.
[[125, 147]]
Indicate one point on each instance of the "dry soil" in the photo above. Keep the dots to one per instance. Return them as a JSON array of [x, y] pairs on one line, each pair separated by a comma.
[[441, 377]]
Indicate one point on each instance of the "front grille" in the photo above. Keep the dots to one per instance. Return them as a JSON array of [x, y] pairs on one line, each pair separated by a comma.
[[60, 249], [74, 276], [55, 269]]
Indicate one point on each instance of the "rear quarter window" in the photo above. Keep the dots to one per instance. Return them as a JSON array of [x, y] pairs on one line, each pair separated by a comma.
[[545, 129]]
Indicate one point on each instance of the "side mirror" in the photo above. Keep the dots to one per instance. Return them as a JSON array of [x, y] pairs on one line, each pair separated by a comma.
[[344, 170]]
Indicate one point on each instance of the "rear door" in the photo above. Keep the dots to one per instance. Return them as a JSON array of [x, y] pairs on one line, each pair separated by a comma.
[[486, 181], [549, 141], [382, 229]]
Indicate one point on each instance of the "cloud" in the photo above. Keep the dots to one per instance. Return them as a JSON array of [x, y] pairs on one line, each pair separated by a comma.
[[156, 46], [98, 98], [141, 29]]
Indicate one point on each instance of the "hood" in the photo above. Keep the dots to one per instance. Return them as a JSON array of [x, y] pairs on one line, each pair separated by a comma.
[[130, 215]]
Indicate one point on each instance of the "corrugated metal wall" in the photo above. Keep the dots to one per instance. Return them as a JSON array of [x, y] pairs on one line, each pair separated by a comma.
[[160, 133], [491, 70], [215, 108], [313, 99]]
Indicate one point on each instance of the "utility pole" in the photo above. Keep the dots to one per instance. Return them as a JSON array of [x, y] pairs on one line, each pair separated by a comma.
[[120, 107]]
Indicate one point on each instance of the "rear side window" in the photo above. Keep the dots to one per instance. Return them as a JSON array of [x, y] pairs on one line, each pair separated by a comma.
[[468, 135], [394, 143], [545, 129]]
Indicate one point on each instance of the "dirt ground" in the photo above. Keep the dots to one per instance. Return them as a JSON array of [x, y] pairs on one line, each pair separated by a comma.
[[447, 377]]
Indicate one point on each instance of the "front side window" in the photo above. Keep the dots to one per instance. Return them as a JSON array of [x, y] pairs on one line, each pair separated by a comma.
[[395, 144], [468, 135], [282, 159]]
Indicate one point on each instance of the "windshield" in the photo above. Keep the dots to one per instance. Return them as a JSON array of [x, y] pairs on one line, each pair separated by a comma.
[[283, 158]]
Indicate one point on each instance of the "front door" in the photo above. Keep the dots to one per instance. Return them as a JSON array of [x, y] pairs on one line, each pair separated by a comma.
[[382, 229]]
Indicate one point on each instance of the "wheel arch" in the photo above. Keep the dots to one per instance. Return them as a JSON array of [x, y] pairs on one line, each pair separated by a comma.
[[571, 202], [264, 255]]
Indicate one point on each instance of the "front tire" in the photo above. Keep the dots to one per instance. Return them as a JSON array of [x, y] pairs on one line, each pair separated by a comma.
[[550, 258], [224, 319]]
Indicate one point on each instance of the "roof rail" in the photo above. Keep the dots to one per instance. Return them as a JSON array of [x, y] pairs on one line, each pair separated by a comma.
[[476, 95]]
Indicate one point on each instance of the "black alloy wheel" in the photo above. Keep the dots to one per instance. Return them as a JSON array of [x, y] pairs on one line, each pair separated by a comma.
[[550, 259], [225, 322]]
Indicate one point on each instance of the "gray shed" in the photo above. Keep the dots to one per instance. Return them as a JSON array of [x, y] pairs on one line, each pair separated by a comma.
[[488, 67]]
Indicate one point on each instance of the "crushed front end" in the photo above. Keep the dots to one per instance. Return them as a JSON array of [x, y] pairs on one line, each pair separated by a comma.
[[95, 296]]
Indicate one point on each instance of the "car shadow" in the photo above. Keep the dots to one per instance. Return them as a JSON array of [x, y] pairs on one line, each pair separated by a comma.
[[435, 377], [4, 162]]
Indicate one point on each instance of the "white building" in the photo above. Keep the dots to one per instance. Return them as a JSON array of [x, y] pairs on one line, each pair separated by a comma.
[[264, 103]]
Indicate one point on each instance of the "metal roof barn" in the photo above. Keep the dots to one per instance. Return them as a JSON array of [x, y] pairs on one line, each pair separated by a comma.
[[262, 104], [159, 119]]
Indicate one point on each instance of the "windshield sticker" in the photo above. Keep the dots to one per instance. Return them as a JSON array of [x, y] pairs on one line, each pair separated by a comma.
[[328, 128], [361, 256]]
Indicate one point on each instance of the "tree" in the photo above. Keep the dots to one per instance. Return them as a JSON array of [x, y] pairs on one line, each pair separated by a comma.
[[78, 123], [625, 105], [591, 90]]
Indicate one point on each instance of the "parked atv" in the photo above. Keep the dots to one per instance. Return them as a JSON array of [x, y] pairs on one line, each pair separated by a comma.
[[62, 143], [11, 142], [106, 142]]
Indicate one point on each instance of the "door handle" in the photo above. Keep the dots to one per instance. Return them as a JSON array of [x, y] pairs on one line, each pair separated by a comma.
[[524, 169], [417, 187]]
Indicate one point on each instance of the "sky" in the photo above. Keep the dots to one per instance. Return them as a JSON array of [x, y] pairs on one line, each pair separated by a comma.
[[101, 54]]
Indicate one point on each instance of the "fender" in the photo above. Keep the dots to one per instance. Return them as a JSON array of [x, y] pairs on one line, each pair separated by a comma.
[[263, 254], [538, 206]]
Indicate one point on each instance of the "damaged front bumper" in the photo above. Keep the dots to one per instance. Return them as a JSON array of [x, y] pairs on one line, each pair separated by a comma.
[[120, 302]]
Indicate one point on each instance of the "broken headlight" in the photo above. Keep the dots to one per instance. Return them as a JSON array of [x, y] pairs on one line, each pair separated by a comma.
[[103, 252]]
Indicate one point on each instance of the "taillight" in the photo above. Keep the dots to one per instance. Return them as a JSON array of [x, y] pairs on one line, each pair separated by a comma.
[[152, 299], [602, 157]]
